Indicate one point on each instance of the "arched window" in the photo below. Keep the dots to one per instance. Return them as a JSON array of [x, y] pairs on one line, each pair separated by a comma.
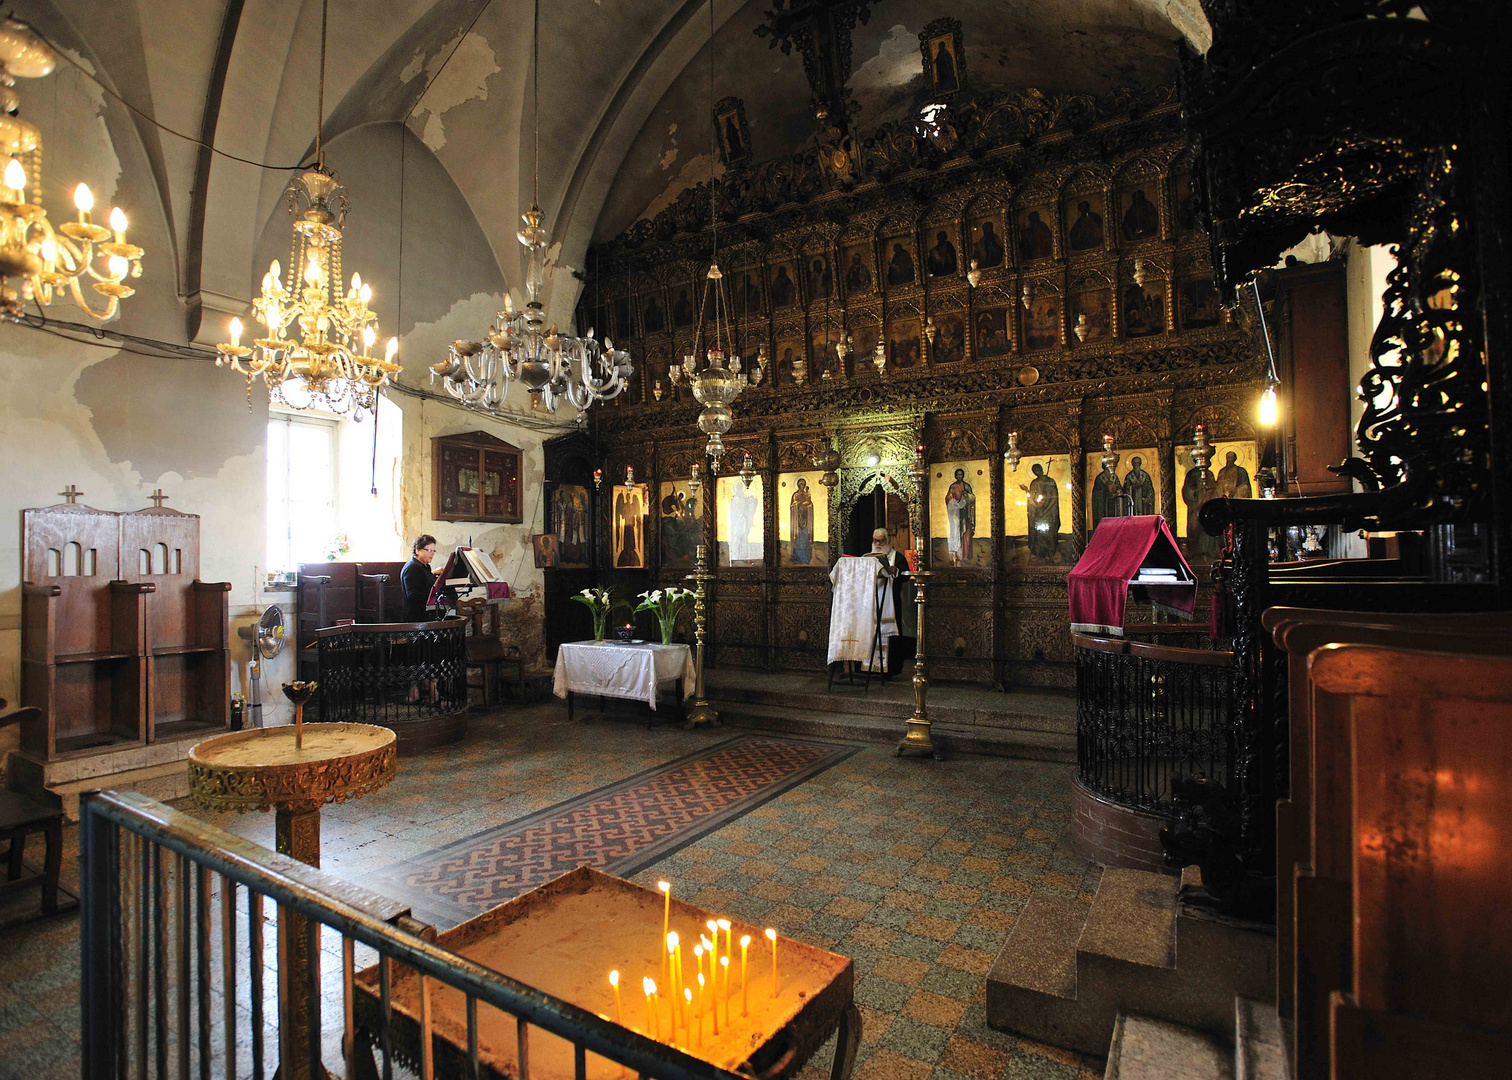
[[159, 558], [144, 562], [91, 563]]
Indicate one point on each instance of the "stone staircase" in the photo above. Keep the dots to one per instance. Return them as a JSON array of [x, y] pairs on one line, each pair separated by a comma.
[[1039, 726], [1146, 1049], [1070, 970]]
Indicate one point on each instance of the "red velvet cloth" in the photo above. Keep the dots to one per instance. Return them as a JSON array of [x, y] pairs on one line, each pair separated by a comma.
[[1099, 583]]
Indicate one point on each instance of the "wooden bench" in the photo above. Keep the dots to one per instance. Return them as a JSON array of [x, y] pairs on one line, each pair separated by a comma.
[[20, 816], [1429, 851], [1313, 825]]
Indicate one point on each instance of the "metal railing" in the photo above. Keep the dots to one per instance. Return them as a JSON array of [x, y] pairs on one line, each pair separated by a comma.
[[388, 673], [1147, 715], [161, 975]]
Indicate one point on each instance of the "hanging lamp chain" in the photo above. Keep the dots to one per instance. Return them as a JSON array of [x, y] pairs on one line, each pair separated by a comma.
[[535, 103], [325, 7]]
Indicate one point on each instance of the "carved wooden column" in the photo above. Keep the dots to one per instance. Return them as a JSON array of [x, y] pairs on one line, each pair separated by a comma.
[[1078, 479]]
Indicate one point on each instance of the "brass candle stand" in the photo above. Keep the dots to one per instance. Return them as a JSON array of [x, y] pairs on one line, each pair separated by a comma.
[[700, 711], [916, 741]]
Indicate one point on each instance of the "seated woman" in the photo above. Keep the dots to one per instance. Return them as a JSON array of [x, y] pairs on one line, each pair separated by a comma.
[[415, 582]]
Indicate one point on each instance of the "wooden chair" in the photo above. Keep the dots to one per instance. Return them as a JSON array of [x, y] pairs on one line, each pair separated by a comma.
[[1313, 828], [487, 652], [20, 816], [1429, 736]]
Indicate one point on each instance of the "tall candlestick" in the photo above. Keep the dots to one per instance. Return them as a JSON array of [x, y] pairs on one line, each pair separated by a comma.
[[745, 984], [648, 984], [772, 937], [693, 1037], [666, 889]]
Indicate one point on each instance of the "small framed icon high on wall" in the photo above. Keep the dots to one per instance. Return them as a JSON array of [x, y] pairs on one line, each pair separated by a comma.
[[475, 477]]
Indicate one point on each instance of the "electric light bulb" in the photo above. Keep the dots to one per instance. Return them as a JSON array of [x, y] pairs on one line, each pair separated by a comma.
[[236, 331], [117, 219], [368, 337], [393, 348], [15, 175], [83, 198], [1268, 407], [118, 266], [267, 282], [276, 270], [365, 293], [49, 250], [312, 271]]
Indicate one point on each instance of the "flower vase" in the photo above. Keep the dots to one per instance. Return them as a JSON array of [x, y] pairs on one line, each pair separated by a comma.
[[667, 628], [600, 624]]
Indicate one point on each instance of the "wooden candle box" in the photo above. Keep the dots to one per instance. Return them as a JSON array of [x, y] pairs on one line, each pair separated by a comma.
[[566, 936]]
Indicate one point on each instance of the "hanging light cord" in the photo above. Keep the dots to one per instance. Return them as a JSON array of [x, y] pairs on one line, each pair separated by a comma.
[[535, 104], [325, 7]]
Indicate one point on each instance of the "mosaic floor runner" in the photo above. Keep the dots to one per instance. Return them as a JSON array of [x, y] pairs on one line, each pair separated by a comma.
[[619, 828]]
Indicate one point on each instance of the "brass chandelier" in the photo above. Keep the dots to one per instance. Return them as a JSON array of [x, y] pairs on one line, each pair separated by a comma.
[[329, 362], [46, 261], [553, 366]]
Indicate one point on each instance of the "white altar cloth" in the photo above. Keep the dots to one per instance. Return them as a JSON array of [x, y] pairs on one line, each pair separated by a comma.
[[853, 611], [622, 670]]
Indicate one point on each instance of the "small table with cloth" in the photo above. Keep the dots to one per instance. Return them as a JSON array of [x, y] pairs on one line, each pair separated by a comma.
[[617, 669]]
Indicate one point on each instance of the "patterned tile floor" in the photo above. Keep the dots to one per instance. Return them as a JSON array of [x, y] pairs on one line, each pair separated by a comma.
[[916, 869]]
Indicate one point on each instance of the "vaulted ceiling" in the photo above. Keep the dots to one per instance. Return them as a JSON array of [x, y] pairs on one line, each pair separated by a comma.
[[623, 96]]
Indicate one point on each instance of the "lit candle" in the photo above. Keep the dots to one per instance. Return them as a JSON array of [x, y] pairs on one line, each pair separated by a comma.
[[772, 937], [666, 888], [672, 974], [724, 924], [745, 985], [693, 1038], [614, 982], [698, 953], [712, 1007], [724, 965], [648, 984]]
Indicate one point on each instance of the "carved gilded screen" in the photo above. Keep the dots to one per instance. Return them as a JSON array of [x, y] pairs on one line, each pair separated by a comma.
[[802, 520], [681, 523], [1037, 511], [1231, 474], [739, 531], [960, 514], [1134, 485]]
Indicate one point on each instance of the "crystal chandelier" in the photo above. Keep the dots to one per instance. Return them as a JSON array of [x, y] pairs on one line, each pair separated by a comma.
[[46, 261], [329, 364], [553, 366]]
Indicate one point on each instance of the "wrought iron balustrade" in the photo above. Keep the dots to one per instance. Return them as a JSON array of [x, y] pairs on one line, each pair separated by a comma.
[[1149, 715], [391, 673], [172, 936]]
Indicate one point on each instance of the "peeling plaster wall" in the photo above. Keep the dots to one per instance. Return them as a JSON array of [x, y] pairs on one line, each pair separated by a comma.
[[118, 425]]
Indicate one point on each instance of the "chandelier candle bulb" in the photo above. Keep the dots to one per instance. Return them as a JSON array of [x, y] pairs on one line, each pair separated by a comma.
[[745, 985], [236, 332], [15, 178], [84, 201], [118, 224], [772, 937]]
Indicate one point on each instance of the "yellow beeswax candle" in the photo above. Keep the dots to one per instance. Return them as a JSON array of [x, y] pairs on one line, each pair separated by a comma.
[[772, 937], [696, 1034], [745, 984], [648, 984], [724, 965], [614, 982], [666, 890], [706, 1002]]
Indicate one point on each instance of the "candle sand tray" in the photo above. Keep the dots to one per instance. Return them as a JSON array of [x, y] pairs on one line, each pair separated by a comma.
[[566, 936]]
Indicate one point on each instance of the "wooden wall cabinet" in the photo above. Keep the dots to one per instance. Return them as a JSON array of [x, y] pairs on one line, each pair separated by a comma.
[[475, 477]]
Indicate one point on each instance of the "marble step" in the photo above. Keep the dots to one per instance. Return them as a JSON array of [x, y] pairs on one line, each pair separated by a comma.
[[868, 727], [161, 782], [1143, 1048], [1259, 1050]]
